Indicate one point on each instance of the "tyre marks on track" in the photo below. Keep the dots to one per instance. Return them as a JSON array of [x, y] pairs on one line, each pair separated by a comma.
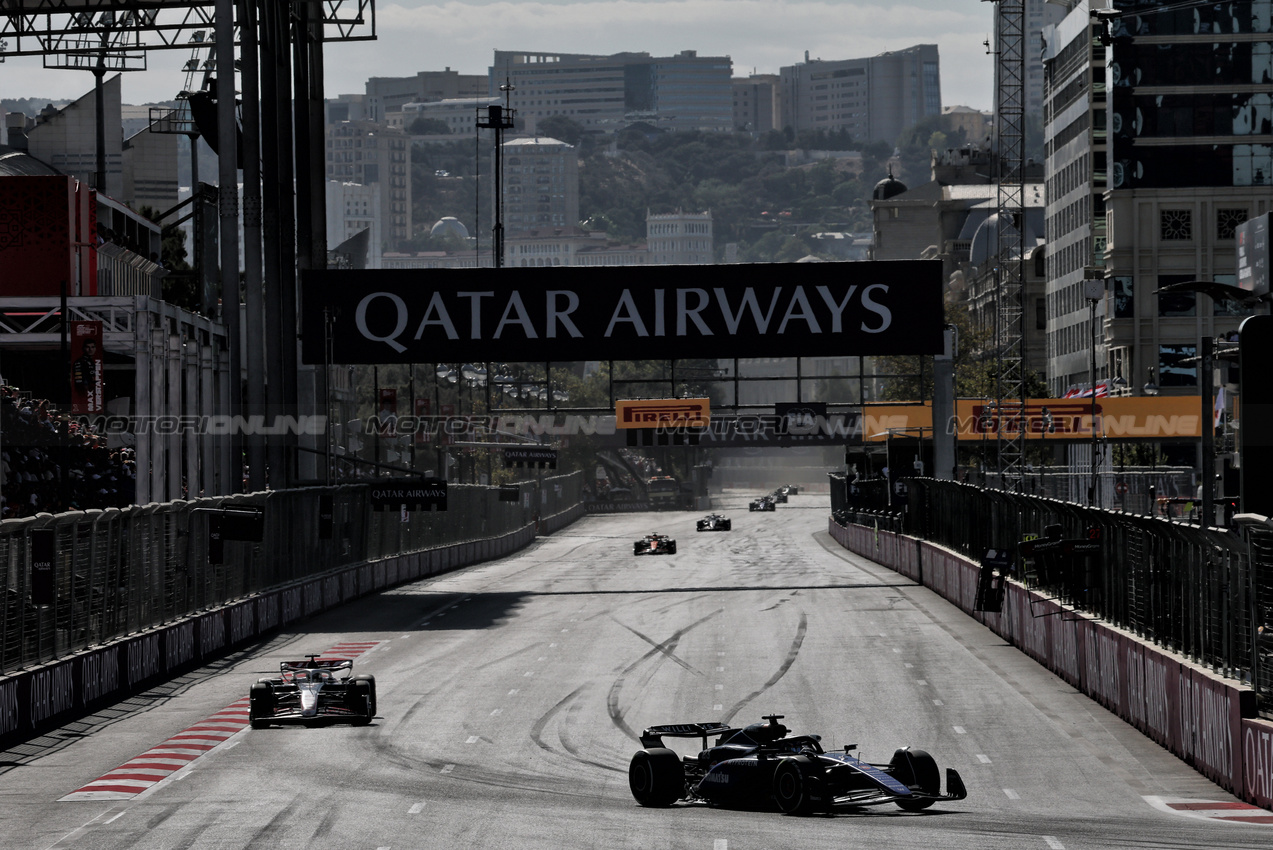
[[793, 652], [181, 751], [665, 648]]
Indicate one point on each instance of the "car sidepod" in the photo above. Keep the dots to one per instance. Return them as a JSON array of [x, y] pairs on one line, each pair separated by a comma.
[[741, 783]]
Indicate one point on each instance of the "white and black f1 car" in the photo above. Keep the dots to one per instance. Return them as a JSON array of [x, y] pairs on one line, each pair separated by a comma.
[[761, 767], [764, 503], [654, 544], [715, 522], [310, 692]]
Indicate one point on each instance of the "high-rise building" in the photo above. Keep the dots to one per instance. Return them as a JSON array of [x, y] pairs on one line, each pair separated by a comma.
[[1188, 131], [541, 185], [362, 152], [1075, 159], [67, 138], [756, 103], [873, 99], [1039, 14], [351, 209], [388, 94], [606, 93]]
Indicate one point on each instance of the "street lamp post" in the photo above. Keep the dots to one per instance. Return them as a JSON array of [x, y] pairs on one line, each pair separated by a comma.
[[1094, 291]]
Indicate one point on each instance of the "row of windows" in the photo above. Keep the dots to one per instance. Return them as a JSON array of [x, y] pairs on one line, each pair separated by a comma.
[[1176, 225]]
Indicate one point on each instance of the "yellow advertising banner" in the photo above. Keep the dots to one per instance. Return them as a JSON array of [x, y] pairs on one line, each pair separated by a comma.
[[662, 413], [1119, 418]]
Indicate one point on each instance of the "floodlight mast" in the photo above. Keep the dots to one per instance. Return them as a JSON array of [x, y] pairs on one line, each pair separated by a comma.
[[1010, 284], [499, 118]]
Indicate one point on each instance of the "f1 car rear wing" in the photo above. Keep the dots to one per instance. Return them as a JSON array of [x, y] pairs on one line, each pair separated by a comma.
[[653, 737], [313, 662]]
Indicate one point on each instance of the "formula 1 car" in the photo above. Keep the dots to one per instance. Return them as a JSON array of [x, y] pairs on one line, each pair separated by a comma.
[[764, 503], [761, 767], [654, 544], [715, 522], [309, 692], [779, 495]]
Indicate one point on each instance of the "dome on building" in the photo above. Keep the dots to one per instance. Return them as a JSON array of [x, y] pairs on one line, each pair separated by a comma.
[[887, 188], [449, 226], [985, 242]]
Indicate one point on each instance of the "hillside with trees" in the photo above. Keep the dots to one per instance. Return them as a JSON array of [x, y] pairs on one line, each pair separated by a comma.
[[767, 195]]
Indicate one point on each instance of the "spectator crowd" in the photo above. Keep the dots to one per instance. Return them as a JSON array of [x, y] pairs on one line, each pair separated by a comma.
[[49, 463]]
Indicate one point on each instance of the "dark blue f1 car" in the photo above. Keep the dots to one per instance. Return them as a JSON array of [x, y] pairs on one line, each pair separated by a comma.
[[761, 767]]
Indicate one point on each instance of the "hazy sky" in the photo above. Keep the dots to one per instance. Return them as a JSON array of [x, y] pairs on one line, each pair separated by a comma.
[[759, 35]]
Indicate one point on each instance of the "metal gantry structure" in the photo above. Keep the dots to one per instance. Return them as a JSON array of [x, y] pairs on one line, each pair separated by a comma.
[[1010, 89], [269, 123]]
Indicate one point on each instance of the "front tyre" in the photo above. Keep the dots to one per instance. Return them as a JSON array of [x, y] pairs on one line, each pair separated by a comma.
[[656, 777], [917, 770], [260, 705]]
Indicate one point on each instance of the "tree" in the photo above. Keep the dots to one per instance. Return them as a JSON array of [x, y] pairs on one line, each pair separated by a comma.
[[562, 128]]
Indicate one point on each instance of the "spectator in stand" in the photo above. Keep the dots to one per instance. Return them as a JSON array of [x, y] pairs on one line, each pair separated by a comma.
[[48, 464]]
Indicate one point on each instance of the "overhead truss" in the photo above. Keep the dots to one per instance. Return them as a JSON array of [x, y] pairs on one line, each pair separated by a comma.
[[76, 33]]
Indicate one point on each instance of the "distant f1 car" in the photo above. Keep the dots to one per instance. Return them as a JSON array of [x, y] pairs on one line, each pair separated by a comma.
[[654, 544], [715, 522], [764, 503], [780, 495], [761, 767], [310, 692]]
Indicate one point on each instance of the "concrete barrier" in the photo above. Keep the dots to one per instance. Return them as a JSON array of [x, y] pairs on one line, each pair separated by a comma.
[[33, 701], [1208, 721]]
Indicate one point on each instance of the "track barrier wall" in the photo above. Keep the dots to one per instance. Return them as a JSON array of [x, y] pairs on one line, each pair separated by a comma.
[[1206, 720], [52, 691]]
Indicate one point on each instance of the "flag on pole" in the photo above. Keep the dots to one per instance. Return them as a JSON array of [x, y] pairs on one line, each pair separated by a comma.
[[1218, 418]]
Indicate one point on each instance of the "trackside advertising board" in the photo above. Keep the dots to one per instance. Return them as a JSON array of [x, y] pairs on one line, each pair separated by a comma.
[[624, 313]]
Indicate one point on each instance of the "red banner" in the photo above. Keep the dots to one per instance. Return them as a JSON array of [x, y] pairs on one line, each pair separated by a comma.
[[86, 368]]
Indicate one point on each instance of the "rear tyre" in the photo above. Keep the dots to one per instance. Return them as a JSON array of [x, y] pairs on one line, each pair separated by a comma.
[[671, 548], [636, 548], [917, 770], [656, 777], [798, 786]]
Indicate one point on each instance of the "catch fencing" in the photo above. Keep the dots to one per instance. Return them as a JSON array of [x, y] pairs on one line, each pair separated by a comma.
[[1205, 594], [119, 572]]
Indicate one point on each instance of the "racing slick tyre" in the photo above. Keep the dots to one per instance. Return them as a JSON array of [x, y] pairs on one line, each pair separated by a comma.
[[359, 700], [656, 777], [260, 705], [917, 770], [371, 684], [671, 548], [728, 526], [636, 548], [798, 786]]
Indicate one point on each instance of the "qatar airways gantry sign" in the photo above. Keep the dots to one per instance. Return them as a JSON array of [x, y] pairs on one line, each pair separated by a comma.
[[623, 313]]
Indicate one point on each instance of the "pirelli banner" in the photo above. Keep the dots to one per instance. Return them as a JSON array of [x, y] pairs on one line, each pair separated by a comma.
[[623, 313]]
